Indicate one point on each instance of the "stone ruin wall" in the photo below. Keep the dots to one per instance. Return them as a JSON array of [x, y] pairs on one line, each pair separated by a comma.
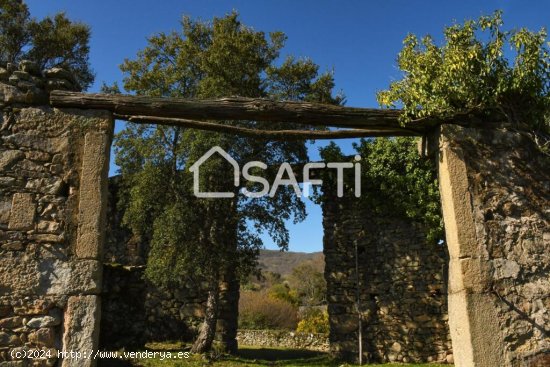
[[136, 311], [53, 165], [402, 281], [284, 339], [495, 188], [495, 197]]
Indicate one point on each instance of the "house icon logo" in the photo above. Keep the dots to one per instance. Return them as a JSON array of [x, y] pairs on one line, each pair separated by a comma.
[[285, 176], [196, 174]]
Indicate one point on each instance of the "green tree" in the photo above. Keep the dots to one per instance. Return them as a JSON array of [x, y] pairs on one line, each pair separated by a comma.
[[14, 30], [206, 239], [395, 181], [283, 292], [309, 282], [472, 74], [51, 42]]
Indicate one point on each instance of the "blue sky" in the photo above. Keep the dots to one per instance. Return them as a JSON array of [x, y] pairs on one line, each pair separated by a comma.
[[359, 40]]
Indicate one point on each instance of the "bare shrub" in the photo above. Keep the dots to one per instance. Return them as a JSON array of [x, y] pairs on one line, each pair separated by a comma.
[[257, 310]]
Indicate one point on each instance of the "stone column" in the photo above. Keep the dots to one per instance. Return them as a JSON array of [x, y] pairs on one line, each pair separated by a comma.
[[53, 175], [53, 172], [83, 312], [494, 193]]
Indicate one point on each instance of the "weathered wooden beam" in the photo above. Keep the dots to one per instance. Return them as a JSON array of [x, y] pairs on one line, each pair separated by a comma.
[[237, 108], [267, 134]]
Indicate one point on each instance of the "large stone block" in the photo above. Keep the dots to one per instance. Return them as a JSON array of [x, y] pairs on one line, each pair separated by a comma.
[[9, 157], [456, 203], [18, 274], [22, 212], [81, 329], [475, 330], [48, 276], [36, 141], [471, 275], [75, 277], [93, 195]]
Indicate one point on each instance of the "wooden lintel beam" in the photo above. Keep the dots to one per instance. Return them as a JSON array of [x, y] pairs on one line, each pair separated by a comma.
[[237, 108], [267, 134]]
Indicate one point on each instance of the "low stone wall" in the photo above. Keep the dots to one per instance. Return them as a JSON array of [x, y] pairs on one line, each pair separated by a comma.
[[136, 312], [283, 339]]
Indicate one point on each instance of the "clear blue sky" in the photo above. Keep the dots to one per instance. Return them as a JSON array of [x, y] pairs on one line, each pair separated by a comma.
[[358, 39]]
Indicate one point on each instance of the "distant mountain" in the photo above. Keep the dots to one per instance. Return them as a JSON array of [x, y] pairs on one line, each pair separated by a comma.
[[283, 262]]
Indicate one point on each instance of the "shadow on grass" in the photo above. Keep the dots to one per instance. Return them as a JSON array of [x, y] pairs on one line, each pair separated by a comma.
[[282, 357], [269, 354], [246, 357]]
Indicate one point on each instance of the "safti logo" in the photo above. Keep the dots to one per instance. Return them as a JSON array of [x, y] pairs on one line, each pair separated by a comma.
[[285, 170]]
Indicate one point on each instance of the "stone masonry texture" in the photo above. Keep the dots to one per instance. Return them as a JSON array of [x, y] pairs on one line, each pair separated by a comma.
[[487, 289], [402, 286], [48, 295], [495, 197], [283, 339]]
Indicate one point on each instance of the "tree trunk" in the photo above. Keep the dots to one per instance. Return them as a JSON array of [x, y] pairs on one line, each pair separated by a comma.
[[229, 310], [208, 328]]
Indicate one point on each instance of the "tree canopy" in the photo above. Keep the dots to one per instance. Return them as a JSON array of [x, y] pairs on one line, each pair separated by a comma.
[[481, 69], [205, 238], [54, 41]]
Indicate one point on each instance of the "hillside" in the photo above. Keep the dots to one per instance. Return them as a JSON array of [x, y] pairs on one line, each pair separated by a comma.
[[283, 262]]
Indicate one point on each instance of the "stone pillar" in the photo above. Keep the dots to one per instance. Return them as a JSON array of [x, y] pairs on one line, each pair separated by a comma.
[[494, 191], [53, 174], [83, 312]]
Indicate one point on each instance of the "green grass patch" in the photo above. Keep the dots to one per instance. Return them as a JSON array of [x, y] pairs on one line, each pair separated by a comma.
[[252, 357]]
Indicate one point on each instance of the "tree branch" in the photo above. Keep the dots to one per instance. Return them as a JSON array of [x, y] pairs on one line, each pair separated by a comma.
[[267, 134]]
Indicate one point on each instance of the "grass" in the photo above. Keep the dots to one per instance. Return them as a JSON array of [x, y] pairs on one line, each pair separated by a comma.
[[247, 357]]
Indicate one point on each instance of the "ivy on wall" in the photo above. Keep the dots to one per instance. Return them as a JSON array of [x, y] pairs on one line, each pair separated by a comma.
[[395, 181]]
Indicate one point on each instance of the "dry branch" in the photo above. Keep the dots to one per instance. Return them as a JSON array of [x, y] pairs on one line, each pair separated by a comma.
[[267, 134]]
